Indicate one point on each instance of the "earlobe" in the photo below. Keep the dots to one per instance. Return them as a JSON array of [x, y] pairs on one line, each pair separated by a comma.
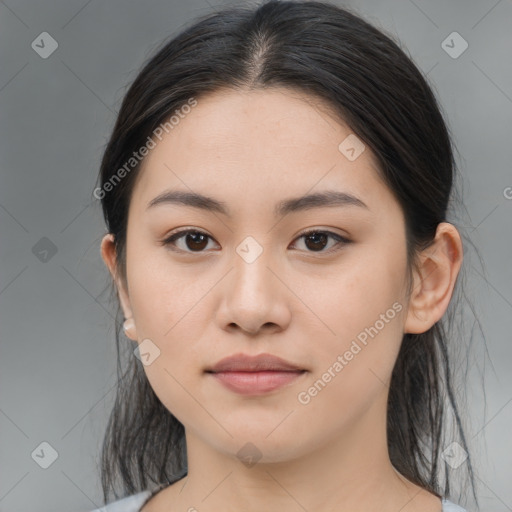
[[129, 329], [108, 253], [434, 280]]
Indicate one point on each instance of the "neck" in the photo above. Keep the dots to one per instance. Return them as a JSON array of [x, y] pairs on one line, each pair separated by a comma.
[[353, 473]]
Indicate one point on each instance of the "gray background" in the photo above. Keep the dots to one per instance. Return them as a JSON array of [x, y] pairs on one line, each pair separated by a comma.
[[57, 347]]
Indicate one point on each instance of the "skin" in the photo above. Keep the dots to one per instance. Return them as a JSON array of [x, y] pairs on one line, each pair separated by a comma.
[[252, 149]]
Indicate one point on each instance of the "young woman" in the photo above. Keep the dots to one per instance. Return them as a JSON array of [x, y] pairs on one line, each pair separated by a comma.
[[276, 191]]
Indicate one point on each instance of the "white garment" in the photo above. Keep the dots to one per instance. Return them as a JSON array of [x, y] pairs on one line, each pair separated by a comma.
[[134, 503], [131, 503]]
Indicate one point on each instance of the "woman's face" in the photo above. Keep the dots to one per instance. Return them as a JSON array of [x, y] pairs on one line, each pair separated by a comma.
[[254, 285]]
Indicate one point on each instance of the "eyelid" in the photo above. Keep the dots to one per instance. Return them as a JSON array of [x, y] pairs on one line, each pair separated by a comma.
[[341, 240]]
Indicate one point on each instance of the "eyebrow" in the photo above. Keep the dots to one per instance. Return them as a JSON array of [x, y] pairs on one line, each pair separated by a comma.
[[328, 198]]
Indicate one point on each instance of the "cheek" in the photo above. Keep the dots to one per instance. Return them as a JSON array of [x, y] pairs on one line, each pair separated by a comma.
[[163, 295], [368, 332], [167, 311], [354, 297], [362, 306], [353, 368]]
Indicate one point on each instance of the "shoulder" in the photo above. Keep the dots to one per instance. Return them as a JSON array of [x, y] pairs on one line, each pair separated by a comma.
[[448, 506], [131, 503]]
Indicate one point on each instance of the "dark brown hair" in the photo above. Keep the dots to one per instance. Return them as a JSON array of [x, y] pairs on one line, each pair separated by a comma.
[[369, 81]]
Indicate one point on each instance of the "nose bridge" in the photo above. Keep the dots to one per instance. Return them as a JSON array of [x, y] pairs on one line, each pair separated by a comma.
[[252, 277], [252, 298]]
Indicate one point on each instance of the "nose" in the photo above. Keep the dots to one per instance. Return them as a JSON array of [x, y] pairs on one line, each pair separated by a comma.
[[254, 296]]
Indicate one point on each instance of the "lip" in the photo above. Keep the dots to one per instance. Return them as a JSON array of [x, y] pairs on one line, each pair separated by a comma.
[[254, 375], [246, 363]]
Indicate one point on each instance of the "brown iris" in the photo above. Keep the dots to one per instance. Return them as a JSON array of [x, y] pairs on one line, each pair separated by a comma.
[[199, 241], [319, 240]]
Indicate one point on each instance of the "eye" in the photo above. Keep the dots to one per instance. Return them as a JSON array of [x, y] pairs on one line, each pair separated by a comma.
[[196, 241], [317, 240]]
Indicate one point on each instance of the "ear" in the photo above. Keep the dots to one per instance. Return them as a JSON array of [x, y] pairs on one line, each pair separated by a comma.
[[108, 253], [434, 280]]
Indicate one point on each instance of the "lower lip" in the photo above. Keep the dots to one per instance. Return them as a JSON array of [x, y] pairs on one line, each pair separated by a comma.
[[256, 383]]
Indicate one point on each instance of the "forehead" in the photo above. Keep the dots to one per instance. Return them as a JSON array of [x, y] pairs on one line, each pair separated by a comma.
[[246, 146]]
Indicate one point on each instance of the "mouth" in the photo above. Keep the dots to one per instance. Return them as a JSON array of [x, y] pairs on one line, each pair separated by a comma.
[[255, 375], [256, 383]]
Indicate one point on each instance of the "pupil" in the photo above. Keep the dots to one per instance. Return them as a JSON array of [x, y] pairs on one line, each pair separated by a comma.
[[197, 237], [314, 237]]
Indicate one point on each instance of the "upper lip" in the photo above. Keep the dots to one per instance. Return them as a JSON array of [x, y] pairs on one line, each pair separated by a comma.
[[247, 363]]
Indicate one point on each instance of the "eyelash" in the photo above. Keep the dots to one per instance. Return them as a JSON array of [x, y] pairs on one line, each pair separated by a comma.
[[341, 241]]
